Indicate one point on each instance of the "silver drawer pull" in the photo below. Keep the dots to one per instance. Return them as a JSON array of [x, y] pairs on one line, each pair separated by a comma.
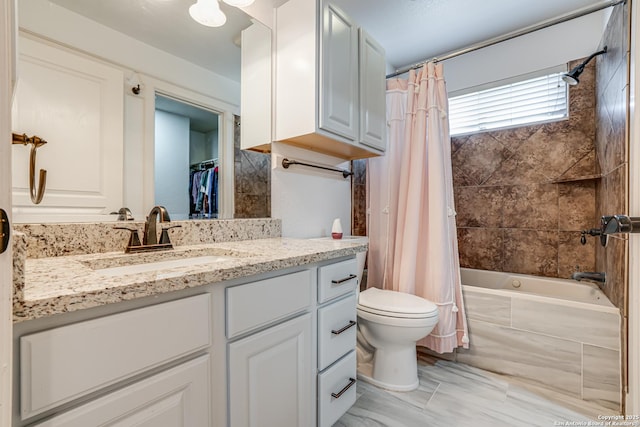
[[339, 331], [337, 395], [346, 279]]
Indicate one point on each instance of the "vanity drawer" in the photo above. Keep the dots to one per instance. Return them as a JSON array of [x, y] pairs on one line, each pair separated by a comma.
[[177, 397], [336, 390], [337, 279], [336, 330], [62, 364], [257, 304]]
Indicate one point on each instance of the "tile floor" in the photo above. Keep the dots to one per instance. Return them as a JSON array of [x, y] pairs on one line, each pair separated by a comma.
[[457, 395]]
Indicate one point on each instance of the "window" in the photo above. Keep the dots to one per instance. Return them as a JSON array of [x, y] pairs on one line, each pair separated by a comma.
[[535, 100]]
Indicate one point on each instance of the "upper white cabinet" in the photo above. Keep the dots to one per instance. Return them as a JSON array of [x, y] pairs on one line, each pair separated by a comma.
[[329, 82], [255, 94], [373, 117], [338, 83]]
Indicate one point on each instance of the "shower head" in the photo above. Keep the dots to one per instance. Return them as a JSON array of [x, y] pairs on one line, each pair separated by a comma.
[[571, 77]]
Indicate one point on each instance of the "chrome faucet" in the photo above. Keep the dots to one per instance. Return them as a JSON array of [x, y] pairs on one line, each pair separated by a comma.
[[124, 214], [150, 236], [158, 213], [590, 276]]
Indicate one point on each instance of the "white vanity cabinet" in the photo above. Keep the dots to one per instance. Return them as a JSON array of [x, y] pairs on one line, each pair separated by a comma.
[[273, 350], [70, 362], [329, 82], [337, 317], [270, 370]]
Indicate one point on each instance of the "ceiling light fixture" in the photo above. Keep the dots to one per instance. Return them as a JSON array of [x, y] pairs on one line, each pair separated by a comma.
[[239, 3], [207, 12]]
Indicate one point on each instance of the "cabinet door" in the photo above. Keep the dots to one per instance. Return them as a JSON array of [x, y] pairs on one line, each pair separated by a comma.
[[373, 127], [338, 83], [76, 104], [174, 398], [255, 93], [270, 377]]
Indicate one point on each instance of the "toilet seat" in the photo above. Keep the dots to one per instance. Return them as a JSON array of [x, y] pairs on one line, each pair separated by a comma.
[[396, 304]]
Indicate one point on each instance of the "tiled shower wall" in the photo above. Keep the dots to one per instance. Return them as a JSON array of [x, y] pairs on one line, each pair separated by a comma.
[[359, 198], [252, 180], [522, 195], [612, 89]]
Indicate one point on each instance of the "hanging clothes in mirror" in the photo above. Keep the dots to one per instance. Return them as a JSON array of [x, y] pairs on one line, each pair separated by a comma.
[[203, 190]]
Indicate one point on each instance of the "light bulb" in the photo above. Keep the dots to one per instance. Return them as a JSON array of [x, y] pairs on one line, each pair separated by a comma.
[[238, 3], [207, 12]]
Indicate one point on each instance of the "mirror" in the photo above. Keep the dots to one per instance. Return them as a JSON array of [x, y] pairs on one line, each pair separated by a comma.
[[160, 51], [186, 152]]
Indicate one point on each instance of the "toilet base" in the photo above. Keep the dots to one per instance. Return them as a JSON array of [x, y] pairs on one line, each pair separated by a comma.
[[365, 373]]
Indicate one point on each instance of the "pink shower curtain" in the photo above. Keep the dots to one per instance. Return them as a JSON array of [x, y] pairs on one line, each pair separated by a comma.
[[412, 230]]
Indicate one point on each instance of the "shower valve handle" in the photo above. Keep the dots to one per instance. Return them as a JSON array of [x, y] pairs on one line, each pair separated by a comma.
[[593, 232]]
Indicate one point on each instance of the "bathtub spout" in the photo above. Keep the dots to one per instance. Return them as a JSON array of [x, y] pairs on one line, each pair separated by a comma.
[[595, 277]]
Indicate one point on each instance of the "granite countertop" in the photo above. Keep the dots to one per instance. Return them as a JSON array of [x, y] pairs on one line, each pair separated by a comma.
[[63, 284]]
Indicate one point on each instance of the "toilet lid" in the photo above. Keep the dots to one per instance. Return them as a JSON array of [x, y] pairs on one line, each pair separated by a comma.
[[396, 304]]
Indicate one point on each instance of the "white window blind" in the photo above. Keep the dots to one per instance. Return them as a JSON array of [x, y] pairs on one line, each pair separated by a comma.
[[535, 100]]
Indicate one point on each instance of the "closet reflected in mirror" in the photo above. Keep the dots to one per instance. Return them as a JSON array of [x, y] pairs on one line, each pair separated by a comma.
[[186, 159]]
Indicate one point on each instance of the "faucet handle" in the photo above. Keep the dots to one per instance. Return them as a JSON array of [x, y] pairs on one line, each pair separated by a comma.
[[164, 235], [134, 238], [592, 232]]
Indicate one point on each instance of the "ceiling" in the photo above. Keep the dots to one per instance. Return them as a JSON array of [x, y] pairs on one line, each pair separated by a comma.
[[166, 25], [200, 120], [412, 31], [409, 30]]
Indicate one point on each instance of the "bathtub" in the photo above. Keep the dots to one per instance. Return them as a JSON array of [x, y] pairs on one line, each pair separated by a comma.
[[560, 334]]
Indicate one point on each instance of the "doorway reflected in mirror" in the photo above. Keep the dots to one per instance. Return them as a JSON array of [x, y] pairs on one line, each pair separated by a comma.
[[186, 159]]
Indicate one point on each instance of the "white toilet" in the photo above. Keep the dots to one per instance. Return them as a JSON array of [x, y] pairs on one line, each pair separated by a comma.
[[389, 324]]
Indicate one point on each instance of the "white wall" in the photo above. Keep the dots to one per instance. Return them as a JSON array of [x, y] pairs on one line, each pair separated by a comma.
[[306, 199], [197, 149], [542, 49], [172, 164], [211, 139]]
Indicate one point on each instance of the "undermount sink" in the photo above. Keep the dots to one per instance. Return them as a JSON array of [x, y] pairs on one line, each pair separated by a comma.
[[125, 264], [161, 265]]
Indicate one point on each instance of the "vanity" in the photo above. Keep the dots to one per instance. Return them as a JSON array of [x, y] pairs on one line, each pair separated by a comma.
[[257, 332], [235, 326]]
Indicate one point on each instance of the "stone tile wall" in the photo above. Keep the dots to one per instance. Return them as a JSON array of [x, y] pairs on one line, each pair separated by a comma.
[[252, 180], [523, 195], [612, 89], [359, 198]]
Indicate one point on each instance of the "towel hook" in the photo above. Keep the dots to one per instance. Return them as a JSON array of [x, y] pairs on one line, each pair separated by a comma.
[[35, 141]]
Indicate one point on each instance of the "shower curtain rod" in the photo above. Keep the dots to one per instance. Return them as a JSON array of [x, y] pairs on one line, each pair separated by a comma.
[[509, 36]]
